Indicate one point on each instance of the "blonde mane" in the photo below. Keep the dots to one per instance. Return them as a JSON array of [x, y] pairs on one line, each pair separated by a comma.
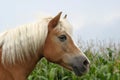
[[23, 42]]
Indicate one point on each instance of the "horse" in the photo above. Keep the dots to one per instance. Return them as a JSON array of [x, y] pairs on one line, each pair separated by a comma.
[[51, 37]]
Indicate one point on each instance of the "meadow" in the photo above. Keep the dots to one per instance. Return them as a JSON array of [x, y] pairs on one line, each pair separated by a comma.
[[105, 63]]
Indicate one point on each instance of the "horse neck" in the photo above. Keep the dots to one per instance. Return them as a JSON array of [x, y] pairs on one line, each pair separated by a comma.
[[30, 64], [21, 70]]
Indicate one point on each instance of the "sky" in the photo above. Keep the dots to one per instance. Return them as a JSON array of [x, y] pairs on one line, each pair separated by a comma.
[[91, 19]]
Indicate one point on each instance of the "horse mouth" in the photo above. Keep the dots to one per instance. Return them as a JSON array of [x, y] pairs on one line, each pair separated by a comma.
[[79, 71]]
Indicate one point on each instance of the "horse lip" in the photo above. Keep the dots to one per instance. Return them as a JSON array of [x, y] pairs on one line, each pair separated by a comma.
[[78, 71]]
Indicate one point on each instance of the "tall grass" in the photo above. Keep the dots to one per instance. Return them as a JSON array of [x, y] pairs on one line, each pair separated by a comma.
[[105, 63]]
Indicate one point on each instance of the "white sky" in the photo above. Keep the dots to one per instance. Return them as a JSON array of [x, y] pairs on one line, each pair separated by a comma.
[[91, 19]]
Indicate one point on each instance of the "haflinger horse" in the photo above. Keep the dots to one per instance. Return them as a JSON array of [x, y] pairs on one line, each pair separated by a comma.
[[22, 47]]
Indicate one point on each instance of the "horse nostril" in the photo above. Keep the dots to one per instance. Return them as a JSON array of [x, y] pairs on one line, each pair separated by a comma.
[[85, 62]]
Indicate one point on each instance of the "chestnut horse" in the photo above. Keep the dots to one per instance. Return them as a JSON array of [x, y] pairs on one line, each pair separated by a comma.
[[21, 48]]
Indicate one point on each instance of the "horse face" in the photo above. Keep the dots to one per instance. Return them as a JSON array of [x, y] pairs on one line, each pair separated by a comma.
[[59, 48]]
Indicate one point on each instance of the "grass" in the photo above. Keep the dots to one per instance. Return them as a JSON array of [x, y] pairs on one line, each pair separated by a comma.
[[105, 64]]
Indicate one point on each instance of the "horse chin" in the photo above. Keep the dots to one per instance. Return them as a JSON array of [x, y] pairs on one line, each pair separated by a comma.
[[77, 72], [80, 71]]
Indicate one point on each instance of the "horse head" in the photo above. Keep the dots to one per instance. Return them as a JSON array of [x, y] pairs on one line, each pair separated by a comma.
[[59, 47]]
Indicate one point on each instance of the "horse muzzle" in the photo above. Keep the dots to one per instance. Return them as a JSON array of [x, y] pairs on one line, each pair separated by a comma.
[[80, 65]]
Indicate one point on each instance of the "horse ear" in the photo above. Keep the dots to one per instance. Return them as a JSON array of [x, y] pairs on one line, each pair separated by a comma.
[[65, 16], [53, 23]]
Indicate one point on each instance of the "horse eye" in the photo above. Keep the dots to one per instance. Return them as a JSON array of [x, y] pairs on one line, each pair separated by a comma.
[[62, 38]]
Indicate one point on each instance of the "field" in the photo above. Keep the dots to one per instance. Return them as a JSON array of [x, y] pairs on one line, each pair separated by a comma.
[[105, 63]]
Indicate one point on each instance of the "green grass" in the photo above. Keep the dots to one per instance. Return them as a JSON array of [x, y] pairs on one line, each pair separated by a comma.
[[105, 65]]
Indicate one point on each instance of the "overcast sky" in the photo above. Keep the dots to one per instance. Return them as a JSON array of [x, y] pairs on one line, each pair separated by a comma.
[[91, 19]]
